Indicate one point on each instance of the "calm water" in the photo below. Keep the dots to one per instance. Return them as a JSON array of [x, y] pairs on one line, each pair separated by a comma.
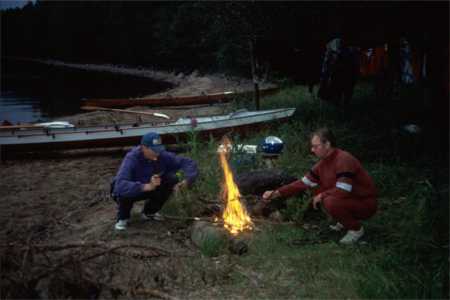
[[33, 92]]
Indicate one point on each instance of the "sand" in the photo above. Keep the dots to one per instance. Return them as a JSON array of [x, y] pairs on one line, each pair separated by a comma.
[[57, 221]]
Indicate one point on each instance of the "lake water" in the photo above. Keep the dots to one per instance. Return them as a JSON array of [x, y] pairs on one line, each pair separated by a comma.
[[32, 92]]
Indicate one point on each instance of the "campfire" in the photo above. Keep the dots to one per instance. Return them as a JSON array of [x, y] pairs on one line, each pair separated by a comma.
[[235, 216]]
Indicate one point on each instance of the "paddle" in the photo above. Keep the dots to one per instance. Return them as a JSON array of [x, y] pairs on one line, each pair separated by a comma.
[[155, 114]]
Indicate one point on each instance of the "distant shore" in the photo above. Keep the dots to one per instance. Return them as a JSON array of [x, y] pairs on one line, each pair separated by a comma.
[[183, 84]]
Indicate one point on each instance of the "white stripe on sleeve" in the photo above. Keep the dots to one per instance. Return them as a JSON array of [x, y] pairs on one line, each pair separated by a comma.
[[308, 182], [344, 186]]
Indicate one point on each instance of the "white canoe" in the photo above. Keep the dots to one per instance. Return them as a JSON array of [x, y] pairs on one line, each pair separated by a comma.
[[29, 139]]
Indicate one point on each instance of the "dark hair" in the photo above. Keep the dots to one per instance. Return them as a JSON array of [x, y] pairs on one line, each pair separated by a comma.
[[325, 135]]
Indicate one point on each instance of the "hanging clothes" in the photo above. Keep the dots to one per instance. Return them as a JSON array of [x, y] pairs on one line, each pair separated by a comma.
[[406, 68]]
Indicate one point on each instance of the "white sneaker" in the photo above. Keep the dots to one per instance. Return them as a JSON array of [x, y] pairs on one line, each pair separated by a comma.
[[156, 216], [121, 225], [352, 236], [337, 227]]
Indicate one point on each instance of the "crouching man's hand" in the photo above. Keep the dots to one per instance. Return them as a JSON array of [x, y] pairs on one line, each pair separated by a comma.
[[316, 200], [155, 181], [267, 196], [180, 185], [270, 195]]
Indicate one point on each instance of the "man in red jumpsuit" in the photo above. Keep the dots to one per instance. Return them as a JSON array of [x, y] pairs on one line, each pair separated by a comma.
[[345, 189]]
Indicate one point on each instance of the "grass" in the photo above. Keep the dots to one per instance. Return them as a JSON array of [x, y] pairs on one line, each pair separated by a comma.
[[406, 250], [213, 246]]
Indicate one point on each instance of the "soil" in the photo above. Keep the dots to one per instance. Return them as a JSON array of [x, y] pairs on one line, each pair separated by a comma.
[[58, 237], [65, 202], [57, 225]]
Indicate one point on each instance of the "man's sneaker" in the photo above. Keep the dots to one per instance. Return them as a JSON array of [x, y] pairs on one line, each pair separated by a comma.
[[156, 216], [121, 225], [352, 236], [337, 227]]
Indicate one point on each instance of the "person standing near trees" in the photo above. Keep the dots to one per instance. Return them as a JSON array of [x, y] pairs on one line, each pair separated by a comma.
[[345, 190], [148, 172], [339, 72]]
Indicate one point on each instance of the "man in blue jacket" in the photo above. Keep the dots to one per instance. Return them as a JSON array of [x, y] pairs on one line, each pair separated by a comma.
[[148, 172]]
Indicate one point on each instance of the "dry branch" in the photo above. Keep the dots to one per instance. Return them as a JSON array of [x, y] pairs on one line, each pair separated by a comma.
[[154, 293], [254, 277], [110, 247]]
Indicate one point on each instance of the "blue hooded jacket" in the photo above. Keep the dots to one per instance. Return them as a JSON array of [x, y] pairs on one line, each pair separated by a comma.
[[136, 170]]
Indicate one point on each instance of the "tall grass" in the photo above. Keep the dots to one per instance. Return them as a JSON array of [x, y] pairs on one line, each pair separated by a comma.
[[406, 255]]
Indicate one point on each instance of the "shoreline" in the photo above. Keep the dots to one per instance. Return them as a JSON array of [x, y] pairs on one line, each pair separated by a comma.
[[192, 84]]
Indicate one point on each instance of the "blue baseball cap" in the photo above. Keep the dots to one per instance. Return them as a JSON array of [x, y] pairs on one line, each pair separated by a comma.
[[152, 140]]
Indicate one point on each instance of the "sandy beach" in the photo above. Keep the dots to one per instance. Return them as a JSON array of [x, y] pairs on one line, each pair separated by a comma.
[[65, 202], [183, 84], [57, 211], [193, 84]]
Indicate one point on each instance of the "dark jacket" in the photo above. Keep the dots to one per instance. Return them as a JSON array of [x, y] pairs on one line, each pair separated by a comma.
[[136, 171]]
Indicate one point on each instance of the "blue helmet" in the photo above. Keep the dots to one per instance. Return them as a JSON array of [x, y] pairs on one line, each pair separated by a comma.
[[272, 145]]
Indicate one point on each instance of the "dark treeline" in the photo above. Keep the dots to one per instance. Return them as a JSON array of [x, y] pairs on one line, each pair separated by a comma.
[[211, 36]]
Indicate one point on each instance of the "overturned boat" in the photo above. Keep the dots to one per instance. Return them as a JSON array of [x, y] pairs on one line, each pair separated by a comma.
[[29, 139], [222, 97]]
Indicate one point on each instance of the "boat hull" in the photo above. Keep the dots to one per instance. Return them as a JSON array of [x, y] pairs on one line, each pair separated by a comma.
[[124, 135], [172, 101]]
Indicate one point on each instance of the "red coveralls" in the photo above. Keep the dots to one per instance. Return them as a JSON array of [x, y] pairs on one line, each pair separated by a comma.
[[348, 192]]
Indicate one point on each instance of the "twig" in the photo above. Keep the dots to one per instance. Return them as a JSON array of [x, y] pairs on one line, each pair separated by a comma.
[[86, 258], [154, 293], [307, 241], [50, 247], [27, 251], [272, 222], [211, 220], [206, 219], [62, 264], [254, 277]]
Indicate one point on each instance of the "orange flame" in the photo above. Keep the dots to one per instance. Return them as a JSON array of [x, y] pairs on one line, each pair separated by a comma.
[[235, 215]]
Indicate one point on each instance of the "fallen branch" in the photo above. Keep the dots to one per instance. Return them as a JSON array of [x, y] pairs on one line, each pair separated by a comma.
[[52, 247], [154, 293], [254, 277], [68, 261], [220, 221], [206, 219], [272, 222]]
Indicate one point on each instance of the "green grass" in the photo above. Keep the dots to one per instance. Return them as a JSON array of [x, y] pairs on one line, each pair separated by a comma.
[[213, 246], [406, 255]]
